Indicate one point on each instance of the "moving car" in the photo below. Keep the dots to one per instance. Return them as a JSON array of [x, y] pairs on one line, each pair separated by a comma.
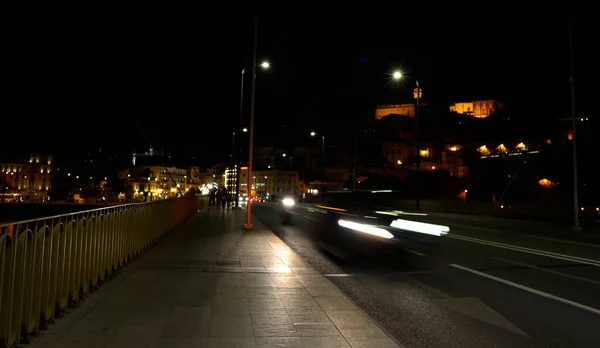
[[286, 213], [363, 220]]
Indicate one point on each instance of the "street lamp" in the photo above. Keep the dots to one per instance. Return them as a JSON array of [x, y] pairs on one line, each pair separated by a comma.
[[264, 65], [397, 75], [245, 130], [235, 149], [313, 134], [574, 125]]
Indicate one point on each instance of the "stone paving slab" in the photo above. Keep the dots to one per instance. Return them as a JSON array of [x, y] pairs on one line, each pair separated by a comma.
[[212, 284]]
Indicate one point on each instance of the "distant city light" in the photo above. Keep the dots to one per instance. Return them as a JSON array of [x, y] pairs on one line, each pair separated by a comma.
[[265, 65], [397, 75]]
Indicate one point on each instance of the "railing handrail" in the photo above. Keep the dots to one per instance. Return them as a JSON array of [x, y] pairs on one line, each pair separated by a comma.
[[49, 264], [8, 223]]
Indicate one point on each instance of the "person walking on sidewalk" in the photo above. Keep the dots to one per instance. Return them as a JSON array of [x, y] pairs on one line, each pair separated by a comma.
[[223, 198], [211, 198], [218, 198], [228, 199]]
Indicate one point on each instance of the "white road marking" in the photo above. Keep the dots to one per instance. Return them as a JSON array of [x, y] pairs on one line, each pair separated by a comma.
[[565, 241], [528, 289], [415, 252], [339, 275], [529, 250], [333, 275], [475, 227], [548, 271]]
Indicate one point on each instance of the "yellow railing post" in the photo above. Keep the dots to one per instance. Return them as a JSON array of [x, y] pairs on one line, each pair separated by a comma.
[[46, 264]]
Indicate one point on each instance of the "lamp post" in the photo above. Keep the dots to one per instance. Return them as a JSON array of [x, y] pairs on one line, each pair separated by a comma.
[[248, 224], [354, 159], [572, 85], [237, 168], [235, 151], [313, 134], [264, 65], [397, 75]]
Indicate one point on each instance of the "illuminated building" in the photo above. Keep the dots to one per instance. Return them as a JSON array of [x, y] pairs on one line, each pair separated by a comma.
[[382, 111], [148, 183], [271, 183], [27, 180], [502, 150], [476, 108], [230, 180], [407, 110], [453, 161], [397, 154]]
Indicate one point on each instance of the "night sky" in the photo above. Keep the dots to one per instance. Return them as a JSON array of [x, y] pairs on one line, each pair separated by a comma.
[[89, 77]]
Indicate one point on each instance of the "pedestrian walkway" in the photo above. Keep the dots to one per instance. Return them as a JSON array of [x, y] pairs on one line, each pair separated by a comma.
[[212, 284]]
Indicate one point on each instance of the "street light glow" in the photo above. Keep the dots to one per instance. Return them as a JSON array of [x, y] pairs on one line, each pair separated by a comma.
[[245, 130], [265, 65], [397, 75], [312, 134]]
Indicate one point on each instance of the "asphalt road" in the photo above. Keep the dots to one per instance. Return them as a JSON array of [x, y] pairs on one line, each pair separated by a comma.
[[476, 287]]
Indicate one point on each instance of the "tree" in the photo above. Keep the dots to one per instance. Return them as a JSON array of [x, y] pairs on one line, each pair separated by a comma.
[[116, 184]]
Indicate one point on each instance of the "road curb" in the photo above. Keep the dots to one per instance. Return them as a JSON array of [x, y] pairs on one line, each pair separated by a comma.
[[373, 321]]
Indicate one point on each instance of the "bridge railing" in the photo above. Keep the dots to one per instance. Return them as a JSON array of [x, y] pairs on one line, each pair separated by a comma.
[[48, 264]]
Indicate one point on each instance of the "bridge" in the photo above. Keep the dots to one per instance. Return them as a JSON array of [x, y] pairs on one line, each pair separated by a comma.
[[173, 273], [167, 274]]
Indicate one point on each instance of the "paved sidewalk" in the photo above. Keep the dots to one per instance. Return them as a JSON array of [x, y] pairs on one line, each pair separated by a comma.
[[211, 284]]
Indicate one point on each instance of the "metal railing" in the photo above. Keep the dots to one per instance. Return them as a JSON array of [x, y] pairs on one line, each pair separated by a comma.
[[48, 264]]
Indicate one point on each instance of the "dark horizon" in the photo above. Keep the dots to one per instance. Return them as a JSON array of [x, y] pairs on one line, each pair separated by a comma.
[[93, 81]]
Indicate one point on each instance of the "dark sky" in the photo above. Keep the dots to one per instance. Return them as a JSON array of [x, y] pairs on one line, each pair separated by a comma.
[[86, 76]]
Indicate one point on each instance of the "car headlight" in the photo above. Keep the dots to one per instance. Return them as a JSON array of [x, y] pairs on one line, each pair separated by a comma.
[[288, 202], [368, 229]]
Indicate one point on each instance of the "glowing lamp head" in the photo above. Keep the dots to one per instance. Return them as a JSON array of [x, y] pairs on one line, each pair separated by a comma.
[[397, 75]]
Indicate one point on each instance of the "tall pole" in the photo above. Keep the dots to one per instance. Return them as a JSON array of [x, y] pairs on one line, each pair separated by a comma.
[[323, 165], [232, 164], [235, 161], [418, 148], [575, 185], [232, 148], [354, 159], [248, 224]]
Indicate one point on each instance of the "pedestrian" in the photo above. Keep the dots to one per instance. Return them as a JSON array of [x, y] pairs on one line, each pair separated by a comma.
[[228, 198], [223, 198], [218, 199], [211, 198]]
